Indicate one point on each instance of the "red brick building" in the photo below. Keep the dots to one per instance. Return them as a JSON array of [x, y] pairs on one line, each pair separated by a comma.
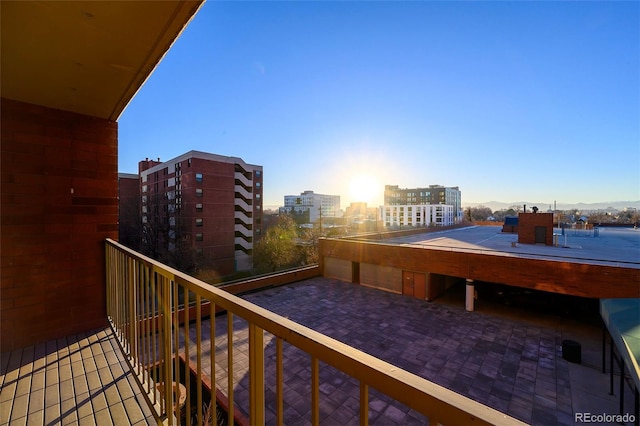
[[201, 208], [129, 210], [535, 228]]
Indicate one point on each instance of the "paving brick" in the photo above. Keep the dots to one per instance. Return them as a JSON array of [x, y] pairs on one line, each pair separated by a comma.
[[36, 418], [36, 401], [103, 417], [52, 395], [52, 415], [5, 411], [8, 391], [22, 421]]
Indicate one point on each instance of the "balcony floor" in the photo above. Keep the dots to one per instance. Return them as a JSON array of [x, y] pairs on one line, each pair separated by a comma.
[[77, 380]]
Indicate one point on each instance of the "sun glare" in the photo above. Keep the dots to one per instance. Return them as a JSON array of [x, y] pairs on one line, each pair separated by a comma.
[[365, 188]]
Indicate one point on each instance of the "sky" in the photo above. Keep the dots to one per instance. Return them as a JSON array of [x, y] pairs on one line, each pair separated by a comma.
[[509, 101]]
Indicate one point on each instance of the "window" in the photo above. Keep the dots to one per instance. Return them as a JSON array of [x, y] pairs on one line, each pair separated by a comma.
[[258, 172], [257, 184], [198, 192], [198, 177], [199, 221], [199, 237], [198, 207]]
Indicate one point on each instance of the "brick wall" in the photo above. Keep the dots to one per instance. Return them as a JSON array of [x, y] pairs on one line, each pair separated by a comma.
[[59, 203], [527, 223], [577, 279]]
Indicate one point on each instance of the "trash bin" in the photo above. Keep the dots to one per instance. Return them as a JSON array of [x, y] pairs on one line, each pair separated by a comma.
[[572, 351]]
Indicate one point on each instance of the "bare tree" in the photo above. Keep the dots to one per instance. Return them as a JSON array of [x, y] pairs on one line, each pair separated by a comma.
[[479, 213]]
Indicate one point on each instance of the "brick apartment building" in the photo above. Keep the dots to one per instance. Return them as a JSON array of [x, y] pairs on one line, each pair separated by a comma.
[[198, 208]]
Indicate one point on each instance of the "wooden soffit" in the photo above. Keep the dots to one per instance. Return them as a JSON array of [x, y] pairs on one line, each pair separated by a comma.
[[89, 57]]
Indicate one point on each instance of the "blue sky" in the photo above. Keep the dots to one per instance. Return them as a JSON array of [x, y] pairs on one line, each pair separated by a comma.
[[510, 101]]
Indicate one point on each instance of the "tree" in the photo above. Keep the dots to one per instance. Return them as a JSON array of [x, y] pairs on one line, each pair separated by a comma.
[[277, 249], [164, 238], [479, 213], [499, 215]]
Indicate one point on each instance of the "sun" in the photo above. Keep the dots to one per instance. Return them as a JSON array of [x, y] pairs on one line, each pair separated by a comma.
[[364, 188]]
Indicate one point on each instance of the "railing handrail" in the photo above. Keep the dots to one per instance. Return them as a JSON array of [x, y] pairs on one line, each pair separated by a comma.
[[436, 402]]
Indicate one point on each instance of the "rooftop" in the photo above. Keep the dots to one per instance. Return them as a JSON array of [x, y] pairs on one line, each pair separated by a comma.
[[507, 359], [607, 245]]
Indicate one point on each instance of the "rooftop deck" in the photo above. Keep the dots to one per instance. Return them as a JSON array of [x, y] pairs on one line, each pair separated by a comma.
[[508, 360]]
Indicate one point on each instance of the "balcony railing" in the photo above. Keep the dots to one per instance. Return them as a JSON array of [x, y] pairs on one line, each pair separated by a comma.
[[146, 310]]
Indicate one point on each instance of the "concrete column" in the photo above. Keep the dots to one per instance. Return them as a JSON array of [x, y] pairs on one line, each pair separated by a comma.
[[469, 302]]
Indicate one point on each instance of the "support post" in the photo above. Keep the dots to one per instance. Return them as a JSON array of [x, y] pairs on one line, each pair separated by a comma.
[[621, 386], [611, 355], [604, 348], [469, 303]]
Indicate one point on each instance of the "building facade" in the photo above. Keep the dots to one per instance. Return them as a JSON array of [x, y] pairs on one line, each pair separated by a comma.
[[129, 210], [201, 208], [418, 215], [432, 195], [312, 204]]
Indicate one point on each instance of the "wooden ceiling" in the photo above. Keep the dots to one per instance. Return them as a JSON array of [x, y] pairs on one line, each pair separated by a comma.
[[88, 57]]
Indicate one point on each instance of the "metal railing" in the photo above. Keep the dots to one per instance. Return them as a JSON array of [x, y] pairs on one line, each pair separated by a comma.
[[145, 308]]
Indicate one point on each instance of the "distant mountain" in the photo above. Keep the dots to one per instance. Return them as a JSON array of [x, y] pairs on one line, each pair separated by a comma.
[[604, 205]]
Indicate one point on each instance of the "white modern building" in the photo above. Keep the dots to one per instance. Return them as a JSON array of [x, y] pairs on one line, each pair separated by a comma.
[[432, 195], [315, 205], [418, 215]]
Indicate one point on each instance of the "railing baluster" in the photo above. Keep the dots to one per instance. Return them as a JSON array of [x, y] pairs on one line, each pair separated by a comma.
[[155, 332], [256, 374], [364, 404], [168, 374], [315, 391], [212, 360], [109, 278], [176, 355], [187, 356], [131, 320], [279, 384], [140, 319], [199, 358], [149, 317], [230, 364]]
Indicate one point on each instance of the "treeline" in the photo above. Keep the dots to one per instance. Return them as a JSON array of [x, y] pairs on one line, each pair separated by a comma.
[[483, 213]]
